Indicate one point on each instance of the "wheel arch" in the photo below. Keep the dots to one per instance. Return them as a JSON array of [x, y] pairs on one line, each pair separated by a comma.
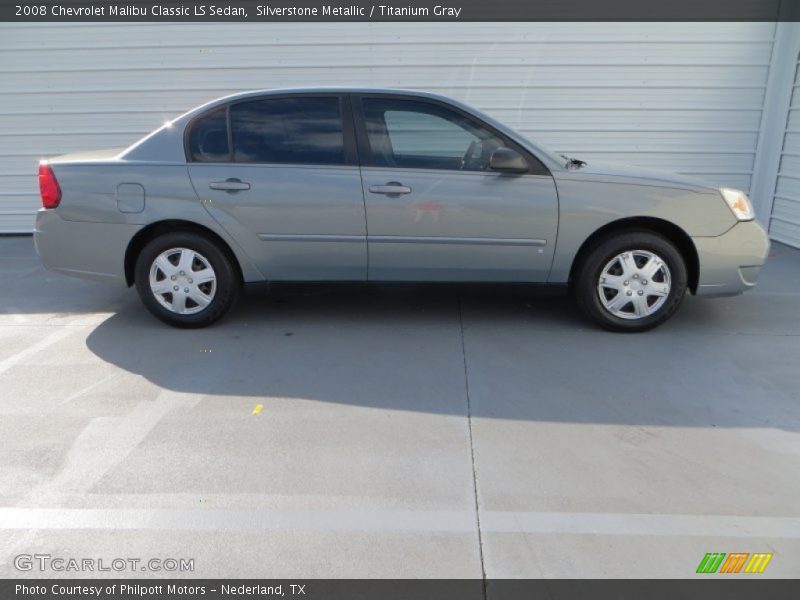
[[153, 230], [683, 242]]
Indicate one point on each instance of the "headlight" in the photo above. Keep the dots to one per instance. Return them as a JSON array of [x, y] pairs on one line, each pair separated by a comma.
[[739, 203]]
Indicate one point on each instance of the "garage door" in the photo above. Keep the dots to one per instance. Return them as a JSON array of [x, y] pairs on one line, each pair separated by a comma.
[[681, 96], [785, 223]]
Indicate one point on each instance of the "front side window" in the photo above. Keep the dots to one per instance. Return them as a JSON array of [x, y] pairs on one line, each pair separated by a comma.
[[420, 135], [288, 130], [208, 138]]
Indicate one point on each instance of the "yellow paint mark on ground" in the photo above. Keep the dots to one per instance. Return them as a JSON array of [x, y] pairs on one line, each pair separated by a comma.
[[258, 409]]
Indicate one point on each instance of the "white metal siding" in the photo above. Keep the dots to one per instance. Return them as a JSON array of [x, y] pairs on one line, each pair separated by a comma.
[[785, 223], [681, 96]]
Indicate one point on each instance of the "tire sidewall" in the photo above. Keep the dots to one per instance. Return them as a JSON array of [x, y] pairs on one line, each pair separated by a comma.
[[227, 280], [589, 275]]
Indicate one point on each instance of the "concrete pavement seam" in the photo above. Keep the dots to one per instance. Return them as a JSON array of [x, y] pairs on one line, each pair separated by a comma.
[[472, 448]]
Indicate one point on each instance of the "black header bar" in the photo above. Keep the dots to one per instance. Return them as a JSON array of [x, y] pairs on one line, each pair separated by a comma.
[[399, 11]]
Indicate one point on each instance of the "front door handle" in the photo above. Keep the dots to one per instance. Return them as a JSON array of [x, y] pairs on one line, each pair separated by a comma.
[[231, 185], [393, 187]]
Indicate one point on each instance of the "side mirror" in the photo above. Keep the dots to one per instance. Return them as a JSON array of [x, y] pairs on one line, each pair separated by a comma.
[[506, 159]]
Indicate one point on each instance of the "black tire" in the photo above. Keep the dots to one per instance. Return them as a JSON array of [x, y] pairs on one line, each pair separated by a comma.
[[227, 283], [588, 275]]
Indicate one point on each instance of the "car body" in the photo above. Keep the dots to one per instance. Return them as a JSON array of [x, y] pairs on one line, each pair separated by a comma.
[[342, 184]]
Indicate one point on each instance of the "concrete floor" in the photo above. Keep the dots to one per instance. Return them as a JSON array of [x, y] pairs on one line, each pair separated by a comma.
[[388, 416]]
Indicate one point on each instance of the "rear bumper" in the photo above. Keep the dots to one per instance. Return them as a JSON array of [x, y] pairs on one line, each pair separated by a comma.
[[93, 251], [730, 263]]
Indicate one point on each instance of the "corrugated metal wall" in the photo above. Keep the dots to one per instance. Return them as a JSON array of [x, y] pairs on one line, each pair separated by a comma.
[[785, 223], [681, 96]]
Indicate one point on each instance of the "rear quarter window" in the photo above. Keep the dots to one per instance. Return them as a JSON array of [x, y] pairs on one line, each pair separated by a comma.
[[208, 138]]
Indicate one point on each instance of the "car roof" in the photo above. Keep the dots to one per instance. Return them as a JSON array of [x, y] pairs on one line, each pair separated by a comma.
[[325, 90], [336, 90]]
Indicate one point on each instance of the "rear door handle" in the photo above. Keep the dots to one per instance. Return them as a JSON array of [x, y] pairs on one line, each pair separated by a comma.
[[230, 185], [393, 187]]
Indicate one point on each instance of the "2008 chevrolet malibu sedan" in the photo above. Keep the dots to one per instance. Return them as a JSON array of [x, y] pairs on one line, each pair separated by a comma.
[[383, 185]]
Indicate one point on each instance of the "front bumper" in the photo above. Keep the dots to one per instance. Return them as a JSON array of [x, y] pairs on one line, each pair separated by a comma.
[[93, 251], [730, 263]]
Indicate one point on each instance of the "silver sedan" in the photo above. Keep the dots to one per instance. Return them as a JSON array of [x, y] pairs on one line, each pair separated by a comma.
[[384, 185]]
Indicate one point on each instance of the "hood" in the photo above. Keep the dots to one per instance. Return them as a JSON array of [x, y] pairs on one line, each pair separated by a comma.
[[639, 175]]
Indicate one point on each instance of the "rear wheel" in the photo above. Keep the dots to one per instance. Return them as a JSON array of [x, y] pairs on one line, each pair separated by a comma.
[[631, 281], [186, 280]]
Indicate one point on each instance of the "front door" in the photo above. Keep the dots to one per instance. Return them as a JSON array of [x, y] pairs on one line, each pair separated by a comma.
[[436, 211], [281, 176]]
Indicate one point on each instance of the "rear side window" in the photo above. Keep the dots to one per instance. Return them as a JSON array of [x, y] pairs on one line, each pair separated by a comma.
[[208, 138], [288, 130]]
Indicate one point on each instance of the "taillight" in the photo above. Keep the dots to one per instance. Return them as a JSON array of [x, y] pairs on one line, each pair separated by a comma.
[[48, 186]]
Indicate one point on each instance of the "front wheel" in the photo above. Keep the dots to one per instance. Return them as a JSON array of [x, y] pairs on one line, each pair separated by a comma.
[[185, 280], [631, 281]]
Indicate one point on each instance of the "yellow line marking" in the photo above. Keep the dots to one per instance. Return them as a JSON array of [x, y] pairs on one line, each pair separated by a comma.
[[764, 563], [258, 409], [758, 563]]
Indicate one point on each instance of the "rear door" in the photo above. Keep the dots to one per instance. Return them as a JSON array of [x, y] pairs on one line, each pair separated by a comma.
[[435, 209], [280, 174]]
